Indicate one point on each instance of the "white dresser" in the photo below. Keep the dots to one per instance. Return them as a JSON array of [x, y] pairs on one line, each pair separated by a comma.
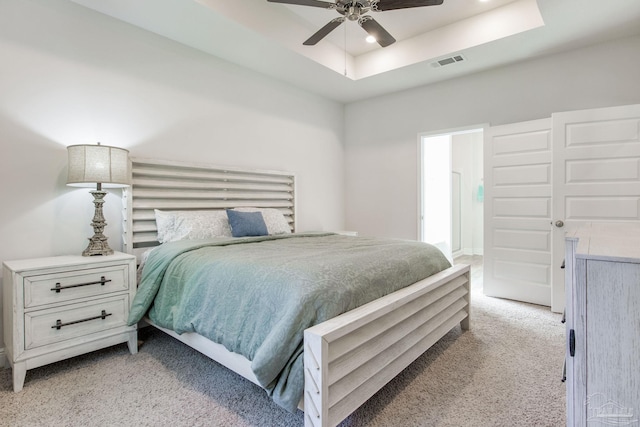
[[603, 325], [60, 307]]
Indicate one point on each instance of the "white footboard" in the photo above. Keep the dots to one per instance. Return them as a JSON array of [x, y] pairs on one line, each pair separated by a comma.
[[349, 358]]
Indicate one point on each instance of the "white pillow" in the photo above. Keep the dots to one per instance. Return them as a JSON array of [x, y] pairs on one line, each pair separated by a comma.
[[273, 218], [190, 225], [165, 224]]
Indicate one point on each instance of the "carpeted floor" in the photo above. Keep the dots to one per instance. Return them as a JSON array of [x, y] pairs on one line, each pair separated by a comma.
[[505, 371]]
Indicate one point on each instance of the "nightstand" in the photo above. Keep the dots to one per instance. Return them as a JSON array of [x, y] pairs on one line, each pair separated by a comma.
[[60, 307]]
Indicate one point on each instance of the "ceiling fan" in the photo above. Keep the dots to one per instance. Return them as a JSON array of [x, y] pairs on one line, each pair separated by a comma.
[[356, 10]]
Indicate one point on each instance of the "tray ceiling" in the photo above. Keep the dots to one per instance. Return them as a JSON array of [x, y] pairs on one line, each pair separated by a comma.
[[267, 37]]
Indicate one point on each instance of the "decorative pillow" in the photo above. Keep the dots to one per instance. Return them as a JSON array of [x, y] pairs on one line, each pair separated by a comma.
[[190, 225], [165, 224], [273, 218], [246, 223]]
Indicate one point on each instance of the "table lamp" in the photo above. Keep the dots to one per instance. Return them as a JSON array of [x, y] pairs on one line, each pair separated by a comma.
[[102, 166]]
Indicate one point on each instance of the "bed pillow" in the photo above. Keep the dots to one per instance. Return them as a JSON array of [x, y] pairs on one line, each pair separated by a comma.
[[273, 218], [190, 225], [246, 223], [164, 224]]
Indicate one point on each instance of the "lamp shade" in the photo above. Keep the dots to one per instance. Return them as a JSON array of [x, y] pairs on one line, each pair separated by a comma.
[[98, 164]]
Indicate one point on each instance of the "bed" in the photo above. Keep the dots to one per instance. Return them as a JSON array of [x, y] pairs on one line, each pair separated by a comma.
[[346, 358]]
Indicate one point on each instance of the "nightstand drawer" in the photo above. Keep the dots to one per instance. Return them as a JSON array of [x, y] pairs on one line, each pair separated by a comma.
[[67, 286], [53, 325]]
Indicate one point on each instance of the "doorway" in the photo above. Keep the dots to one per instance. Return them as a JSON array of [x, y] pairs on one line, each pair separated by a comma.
[[452, 191]]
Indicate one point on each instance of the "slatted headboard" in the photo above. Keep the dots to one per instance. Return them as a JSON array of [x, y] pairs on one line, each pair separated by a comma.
[[170, 185]]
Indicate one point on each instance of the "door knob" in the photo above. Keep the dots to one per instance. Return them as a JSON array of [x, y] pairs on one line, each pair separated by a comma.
[[559, 224]]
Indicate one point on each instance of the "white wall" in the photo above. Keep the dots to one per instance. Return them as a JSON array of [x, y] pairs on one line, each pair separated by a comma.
[[381, 155], [69, 75]]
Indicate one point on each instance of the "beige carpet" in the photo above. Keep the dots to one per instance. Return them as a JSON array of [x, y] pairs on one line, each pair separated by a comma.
[[504, 372]]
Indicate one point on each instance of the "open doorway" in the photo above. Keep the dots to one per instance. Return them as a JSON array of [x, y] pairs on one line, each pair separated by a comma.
[[437, 205], [452, 193]]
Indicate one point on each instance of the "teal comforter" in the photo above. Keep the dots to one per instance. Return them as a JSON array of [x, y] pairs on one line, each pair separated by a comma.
[[256, 295]]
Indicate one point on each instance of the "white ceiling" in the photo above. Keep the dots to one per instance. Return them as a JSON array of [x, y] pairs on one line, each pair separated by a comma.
[[267, 37]]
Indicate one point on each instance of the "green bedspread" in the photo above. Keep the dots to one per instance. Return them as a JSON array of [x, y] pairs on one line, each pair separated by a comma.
[[256, 295]]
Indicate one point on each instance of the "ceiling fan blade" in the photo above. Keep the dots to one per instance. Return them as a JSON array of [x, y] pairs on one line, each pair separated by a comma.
[[374, 29], [324, 31], [314, 3], [383, 5]]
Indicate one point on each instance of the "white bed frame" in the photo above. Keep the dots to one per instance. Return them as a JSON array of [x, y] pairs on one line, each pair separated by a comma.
[[348, 358]]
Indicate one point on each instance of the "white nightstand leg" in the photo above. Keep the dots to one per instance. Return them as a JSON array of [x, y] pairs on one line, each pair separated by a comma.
[[19, 373], [133, 343]]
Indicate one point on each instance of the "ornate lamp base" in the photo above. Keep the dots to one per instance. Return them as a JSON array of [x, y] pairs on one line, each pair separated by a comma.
[[97, 246], [98, 243]]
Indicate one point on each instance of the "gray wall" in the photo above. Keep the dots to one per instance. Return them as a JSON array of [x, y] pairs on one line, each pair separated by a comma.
[[381, 154]]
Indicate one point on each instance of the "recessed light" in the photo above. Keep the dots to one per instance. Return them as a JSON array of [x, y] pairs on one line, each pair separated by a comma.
[[370, 39]]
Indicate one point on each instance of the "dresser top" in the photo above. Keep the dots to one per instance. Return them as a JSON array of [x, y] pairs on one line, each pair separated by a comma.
[[608, 241]]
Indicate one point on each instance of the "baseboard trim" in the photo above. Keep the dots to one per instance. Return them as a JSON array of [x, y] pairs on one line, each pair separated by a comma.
[[471, 252]]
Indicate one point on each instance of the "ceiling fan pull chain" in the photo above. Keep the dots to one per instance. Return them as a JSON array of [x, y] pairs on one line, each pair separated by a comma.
[[345, 51]]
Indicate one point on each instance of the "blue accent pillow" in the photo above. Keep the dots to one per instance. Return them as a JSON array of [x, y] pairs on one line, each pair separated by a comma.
[[246, 223]]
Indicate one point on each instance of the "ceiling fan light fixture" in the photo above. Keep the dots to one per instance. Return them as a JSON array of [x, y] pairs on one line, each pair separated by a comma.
[[353, 13]]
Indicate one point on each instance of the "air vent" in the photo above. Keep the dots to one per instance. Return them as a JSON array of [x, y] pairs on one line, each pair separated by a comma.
[[448, 61]]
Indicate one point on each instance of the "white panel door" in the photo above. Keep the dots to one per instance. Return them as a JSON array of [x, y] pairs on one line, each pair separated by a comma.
[[517, 212], [596, 168]]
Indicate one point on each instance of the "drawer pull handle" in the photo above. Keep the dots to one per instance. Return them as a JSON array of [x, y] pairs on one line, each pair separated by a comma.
[[59, 323], [572, 343], [102, 281]]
